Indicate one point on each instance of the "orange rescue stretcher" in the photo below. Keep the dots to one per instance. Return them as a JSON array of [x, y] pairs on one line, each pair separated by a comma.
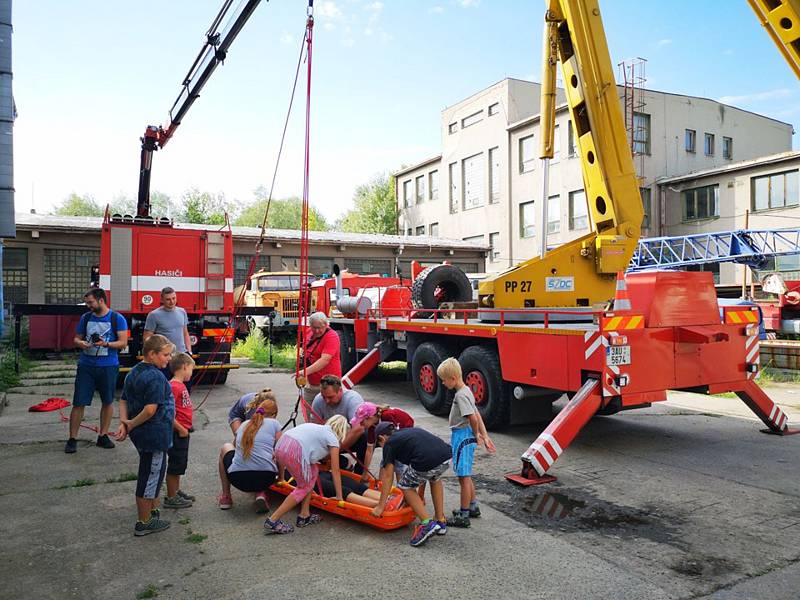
[[389, 520]]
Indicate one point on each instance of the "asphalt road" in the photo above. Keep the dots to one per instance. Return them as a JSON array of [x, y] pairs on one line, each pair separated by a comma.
[[658, 503]]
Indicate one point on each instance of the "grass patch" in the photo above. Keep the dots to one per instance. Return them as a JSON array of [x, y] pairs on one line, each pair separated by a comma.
[[8, 378], [772, 375], [256, 349], [195, 538], [185, 521], [122, 478], [151, 591], [76, 484]]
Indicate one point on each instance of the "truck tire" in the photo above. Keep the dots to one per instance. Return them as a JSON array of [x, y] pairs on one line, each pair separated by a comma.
[[347, 350], [437, 284], [480, 366], [430, 391]]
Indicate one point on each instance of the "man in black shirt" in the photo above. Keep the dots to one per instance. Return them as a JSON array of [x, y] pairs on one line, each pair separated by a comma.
[[416, 456]]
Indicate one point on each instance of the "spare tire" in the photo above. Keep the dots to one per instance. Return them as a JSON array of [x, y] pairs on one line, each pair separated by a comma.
[[440, 283]]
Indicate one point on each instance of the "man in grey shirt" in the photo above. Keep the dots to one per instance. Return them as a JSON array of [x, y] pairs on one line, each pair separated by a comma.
[[171, 321], [333, 399]]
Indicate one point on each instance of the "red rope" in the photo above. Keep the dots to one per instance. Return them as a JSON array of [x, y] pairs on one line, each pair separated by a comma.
[[303, 302]]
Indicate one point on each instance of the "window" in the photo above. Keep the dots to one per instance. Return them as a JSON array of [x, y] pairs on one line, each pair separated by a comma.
[[368, 266], [708, 144], [690, 140], [434, 230], [554, 214], [241, 266], [433, 185], [572, 150], [472, 170], [409, 231], [320, 266], [494, 175], [280, 283], [452, 128], [407, 199], [15, 275], [774, 191], [526, 222], [641, 133], [727, 148], [452, 172], [645, 193], [578, 210], [474, 238], [526, 156], [701, 203], [67, 273], [475, 117], [420, 189], [494, 246], [556, 143], [494, 109], [421, 230]]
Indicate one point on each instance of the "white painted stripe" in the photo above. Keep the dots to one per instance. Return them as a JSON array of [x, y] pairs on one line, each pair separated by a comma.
[[614, 369], [347, 381], [622, 304], [781, 421], [154, 284], [553, 442], [595, 345], [588, 334], [541, 451], [622, 285], [775, 409], [545, 510], [750, 340], [752, 353], [538, 466]]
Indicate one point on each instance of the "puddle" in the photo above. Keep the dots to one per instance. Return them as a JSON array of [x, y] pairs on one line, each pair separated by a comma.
[[552, 505]]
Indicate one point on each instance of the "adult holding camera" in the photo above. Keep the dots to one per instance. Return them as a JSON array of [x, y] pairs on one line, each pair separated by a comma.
[[100, 335], [320, 355], [171, 321]]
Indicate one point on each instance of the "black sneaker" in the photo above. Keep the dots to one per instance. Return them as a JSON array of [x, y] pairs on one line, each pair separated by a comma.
[[72, 446], [474, 513], [458, 520], [103, 441], [185, 496], [152, 526]]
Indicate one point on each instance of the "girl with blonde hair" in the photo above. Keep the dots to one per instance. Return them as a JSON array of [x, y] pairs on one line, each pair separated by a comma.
[[300, 450], [249, 465]]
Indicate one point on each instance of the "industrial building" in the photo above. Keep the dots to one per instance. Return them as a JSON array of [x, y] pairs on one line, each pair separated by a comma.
[[50, 259], [485, 184]]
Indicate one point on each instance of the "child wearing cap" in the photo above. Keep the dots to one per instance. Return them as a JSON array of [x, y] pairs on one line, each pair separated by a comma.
[[416, 456], [369, 415]]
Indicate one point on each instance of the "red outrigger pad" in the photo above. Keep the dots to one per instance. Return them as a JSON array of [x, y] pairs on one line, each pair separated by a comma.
[[388, 521]]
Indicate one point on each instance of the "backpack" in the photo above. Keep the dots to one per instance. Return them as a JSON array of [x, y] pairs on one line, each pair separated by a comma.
[[114, 324]]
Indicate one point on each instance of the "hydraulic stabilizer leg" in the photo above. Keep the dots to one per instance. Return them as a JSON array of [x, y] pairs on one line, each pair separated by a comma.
[[769, 412], [546, 449], [365, 366]]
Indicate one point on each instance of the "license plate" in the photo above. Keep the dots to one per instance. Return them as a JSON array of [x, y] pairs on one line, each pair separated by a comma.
[[618, 355]]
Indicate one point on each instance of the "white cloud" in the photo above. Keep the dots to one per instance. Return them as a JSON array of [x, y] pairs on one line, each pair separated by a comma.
[[329, 10], [368, 31], [329, 26], [435, 10], [664, 42], [468, 3], [374, 6], [757, 97], [348, 42], [287, 38]]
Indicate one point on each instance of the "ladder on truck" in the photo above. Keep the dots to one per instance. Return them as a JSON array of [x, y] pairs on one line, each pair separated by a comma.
[[215, 271], [752, 247]]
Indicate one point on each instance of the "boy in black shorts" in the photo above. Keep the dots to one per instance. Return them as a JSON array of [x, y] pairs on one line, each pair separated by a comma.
[[416, 456]]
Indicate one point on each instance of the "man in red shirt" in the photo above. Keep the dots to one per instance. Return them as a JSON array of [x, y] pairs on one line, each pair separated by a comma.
[[320, 355]]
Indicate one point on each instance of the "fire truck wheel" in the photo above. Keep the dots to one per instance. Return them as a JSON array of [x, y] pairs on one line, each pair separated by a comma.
[[430, 391], [440, 283], [347, 350], [480, 366]]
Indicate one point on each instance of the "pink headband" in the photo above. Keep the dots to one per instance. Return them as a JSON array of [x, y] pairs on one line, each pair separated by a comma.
[[261, 411]]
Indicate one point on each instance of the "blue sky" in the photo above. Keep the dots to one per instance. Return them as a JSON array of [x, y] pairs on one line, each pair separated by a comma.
[[89, 75]]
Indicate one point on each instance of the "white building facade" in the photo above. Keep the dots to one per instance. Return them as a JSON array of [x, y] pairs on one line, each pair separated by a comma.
[[486, 184]]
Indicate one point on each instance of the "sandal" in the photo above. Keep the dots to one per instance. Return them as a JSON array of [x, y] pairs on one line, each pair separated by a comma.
[[277, 527], [309, 520]]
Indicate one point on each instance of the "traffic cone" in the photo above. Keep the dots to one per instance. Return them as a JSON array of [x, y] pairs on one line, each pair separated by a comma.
[[621, 300]]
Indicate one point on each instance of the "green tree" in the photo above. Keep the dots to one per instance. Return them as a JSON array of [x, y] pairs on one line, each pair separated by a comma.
[[283, 214], [374, 208], [79, 206], [203, 207]]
